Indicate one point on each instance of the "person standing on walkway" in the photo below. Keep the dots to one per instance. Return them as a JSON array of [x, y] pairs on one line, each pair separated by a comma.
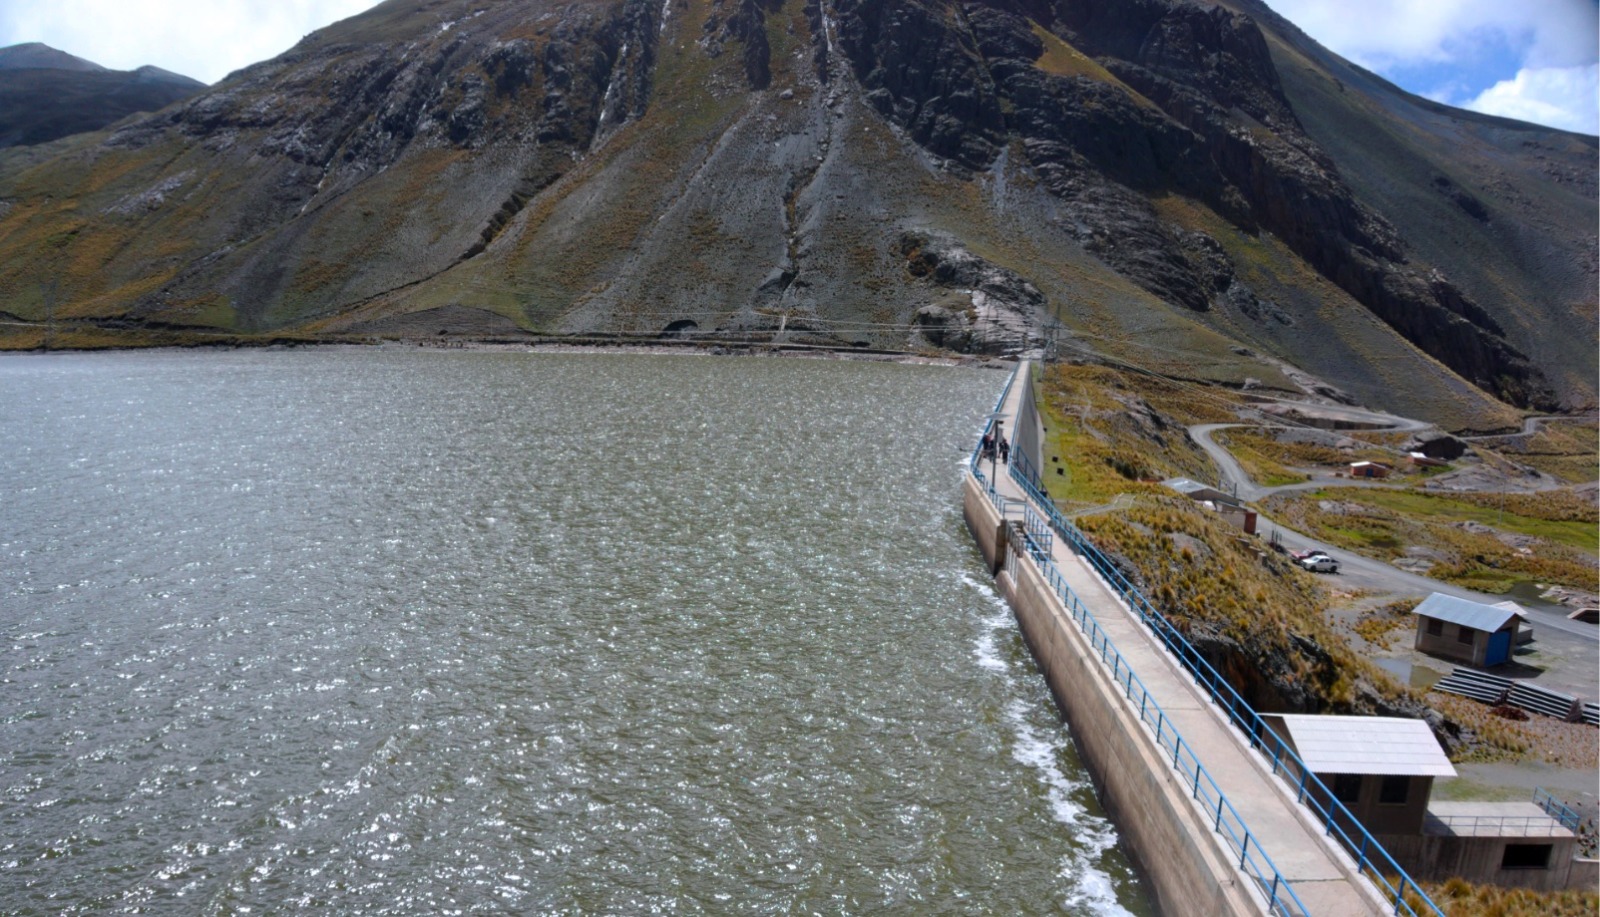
[[1005, 451]]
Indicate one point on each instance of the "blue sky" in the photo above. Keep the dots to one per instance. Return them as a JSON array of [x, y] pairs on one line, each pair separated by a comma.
[[1534, 60], [1529, 59]]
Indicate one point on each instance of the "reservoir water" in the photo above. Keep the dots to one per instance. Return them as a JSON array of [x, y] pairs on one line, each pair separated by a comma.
[[413, 632]]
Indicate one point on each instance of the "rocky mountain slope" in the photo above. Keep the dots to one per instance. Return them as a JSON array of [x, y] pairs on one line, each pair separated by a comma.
[[1189, 186], [47, 94]]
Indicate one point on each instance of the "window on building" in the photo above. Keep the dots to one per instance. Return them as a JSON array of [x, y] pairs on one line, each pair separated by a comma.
[[1526, 856], [1435, 627], [1394, 791], [1464, 634], [1347, 788]]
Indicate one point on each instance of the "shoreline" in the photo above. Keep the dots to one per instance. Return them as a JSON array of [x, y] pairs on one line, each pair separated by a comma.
[[589, 345]]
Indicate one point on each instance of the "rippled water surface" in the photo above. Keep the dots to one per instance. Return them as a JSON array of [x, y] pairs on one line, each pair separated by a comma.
[[417, 633]]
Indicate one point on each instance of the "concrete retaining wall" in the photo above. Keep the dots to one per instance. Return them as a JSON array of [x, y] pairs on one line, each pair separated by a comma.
[[1027, 432], [1585, 874], [1188, 868], [1477, 859], [987, 529]]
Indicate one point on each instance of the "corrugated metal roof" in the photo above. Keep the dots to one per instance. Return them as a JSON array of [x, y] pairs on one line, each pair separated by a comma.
[[1367, 745], [1460, 611]]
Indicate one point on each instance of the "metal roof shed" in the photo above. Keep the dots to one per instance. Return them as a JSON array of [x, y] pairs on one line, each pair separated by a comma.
[[1382, 768], [1366, 745], [1467, 631]]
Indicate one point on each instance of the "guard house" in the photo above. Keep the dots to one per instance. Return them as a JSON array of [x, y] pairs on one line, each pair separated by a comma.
[[1382, 768], [1471, 632]]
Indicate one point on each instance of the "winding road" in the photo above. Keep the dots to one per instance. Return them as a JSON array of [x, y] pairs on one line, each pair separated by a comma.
[[1363, 572]]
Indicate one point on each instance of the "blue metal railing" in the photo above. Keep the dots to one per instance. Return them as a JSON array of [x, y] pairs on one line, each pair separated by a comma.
[[1371, 859], [1556, 809], [1224, 818], [1037, 537], [976, 461]]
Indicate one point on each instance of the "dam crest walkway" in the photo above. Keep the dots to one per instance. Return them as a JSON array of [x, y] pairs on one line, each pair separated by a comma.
[[1294, 841]]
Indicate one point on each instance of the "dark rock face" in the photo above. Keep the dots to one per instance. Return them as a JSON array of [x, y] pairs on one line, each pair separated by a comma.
[[923, 71], [947, 264], [745, 23], [1209, 120], [1440, 446], [983, 307]]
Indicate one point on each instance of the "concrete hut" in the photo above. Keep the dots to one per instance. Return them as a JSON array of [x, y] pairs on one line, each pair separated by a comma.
[[1381, 768], [1471, 632]]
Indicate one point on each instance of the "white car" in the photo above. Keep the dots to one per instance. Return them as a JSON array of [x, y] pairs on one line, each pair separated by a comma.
[[1320, 563]]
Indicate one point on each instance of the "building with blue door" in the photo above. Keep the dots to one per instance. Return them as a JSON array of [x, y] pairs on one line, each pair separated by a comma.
[[1471, 632]]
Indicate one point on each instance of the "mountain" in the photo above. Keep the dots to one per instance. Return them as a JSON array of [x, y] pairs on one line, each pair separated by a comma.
[[36, 56], [1198, 188], [47, 94]]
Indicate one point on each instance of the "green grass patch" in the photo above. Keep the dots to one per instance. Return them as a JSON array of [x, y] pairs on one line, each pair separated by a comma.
[[1559, 517], [1469, 543]]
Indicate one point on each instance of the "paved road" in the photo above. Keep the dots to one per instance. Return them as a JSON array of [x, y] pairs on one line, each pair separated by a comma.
[[1364, 572], [1234, 476]]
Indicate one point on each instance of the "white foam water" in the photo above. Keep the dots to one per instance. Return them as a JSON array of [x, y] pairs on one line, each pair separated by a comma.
[[1041, 751], [986, 647], [1094, 835]]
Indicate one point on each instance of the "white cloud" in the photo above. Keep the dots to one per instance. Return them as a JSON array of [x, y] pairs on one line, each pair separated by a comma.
[[1382, 33], [1533, 60], [1564, 97], [205, 40]]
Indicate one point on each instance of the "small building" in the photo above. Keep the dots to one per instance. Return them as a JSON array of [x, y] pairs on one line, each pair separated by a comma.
[[1382, 768], [1369, 470], [1224, 504], [1509, 844], [1427, 461], [1524, 625], [1471, 632], [1198, 492], [1237, 516]]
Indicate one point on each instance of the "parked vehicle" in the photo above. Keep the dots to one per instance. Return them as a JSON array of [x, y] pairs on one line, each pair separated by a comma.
[[1320, 563]]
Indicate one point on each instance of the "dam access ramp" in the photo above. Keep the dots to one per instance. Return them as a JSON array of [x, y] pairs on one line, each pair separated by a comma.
[[1219, 810]]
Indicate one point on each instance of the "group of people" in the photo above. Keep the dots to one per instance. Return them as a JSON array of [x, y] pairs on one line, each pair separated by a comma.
[[991, 443]]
